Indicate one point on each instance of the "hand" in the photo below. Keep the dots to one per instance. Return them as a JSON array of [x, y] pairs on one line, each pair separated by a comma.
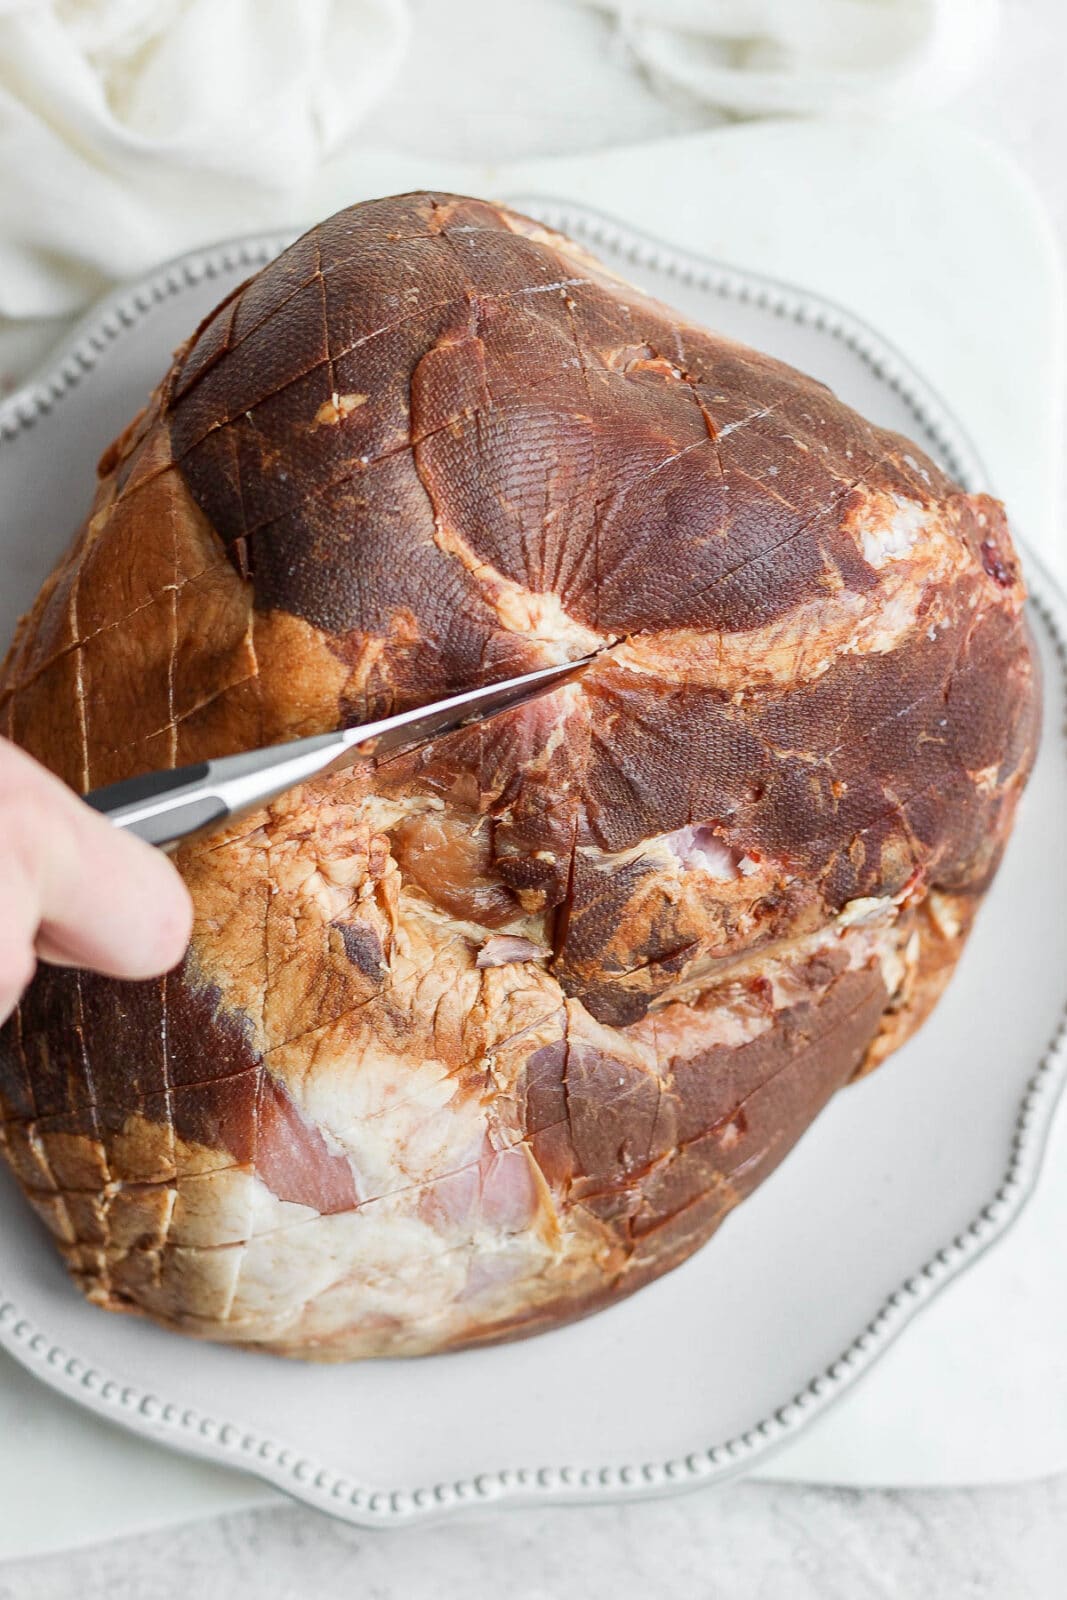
[[76, 891]]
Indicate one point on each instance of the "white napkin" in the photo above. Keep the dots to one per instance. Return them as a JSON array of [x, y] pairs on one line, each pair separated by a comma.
[[131, 130], [769, 57]]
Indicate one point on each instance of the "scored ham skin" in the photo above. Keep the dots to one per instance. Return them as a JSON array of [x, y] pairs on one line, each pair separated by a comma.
[[484, 1039]]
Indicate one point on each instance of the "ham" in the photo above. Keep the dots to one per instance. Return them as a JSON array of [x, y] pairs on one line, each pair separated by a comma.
[[481, 1039]]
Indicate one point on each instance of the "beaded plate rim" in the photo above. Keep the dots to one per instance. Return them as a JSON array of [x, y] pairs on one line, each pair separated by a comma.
[[287, 1467]]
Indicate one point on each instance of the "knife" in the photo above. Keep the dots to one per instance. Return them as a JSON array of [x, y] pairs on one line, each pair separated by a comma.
[[166, 807]]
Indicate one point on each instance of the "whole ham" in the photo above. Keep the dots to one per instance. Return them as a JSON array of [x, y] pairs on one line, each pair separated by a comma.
[[490, 1035]]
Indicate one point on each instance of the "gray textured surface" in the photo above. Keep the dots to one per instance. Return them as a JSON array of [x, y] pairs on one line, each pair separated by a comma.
[[744, 1542], [748, 1542]]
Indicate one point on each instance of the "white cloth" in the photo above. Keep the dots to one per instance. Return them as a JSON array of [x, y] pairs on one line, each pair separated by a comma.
[[131, 130], [773, 57]]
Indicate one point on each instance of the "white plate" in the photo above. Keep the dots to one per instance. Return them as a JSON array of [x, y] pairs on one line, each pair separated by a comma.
[[900, 1184]]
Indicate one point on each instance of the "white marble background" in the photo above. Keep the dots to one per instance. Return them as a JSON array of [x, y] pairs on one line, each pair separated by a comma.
[[765, 1541], [744, 1542]]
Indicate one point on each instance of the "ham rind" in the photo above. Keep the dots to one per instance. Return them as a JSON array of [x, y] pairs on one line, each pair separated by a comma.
[[491, 1035]]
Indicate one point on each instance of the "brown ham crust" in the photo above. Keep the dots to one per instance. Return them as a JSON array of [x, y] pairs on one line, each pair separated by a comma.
[[492, 1035]]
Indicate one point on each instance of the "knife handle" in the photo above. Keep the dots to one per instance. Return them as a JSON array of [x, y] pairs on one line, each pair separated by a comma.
[[161, 807], [149, 786]]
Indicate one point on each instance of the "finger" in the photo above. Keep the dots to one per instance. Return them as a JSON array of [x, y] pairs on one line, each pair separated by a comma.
[[119, 908], [18, 925], [106, 899]]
